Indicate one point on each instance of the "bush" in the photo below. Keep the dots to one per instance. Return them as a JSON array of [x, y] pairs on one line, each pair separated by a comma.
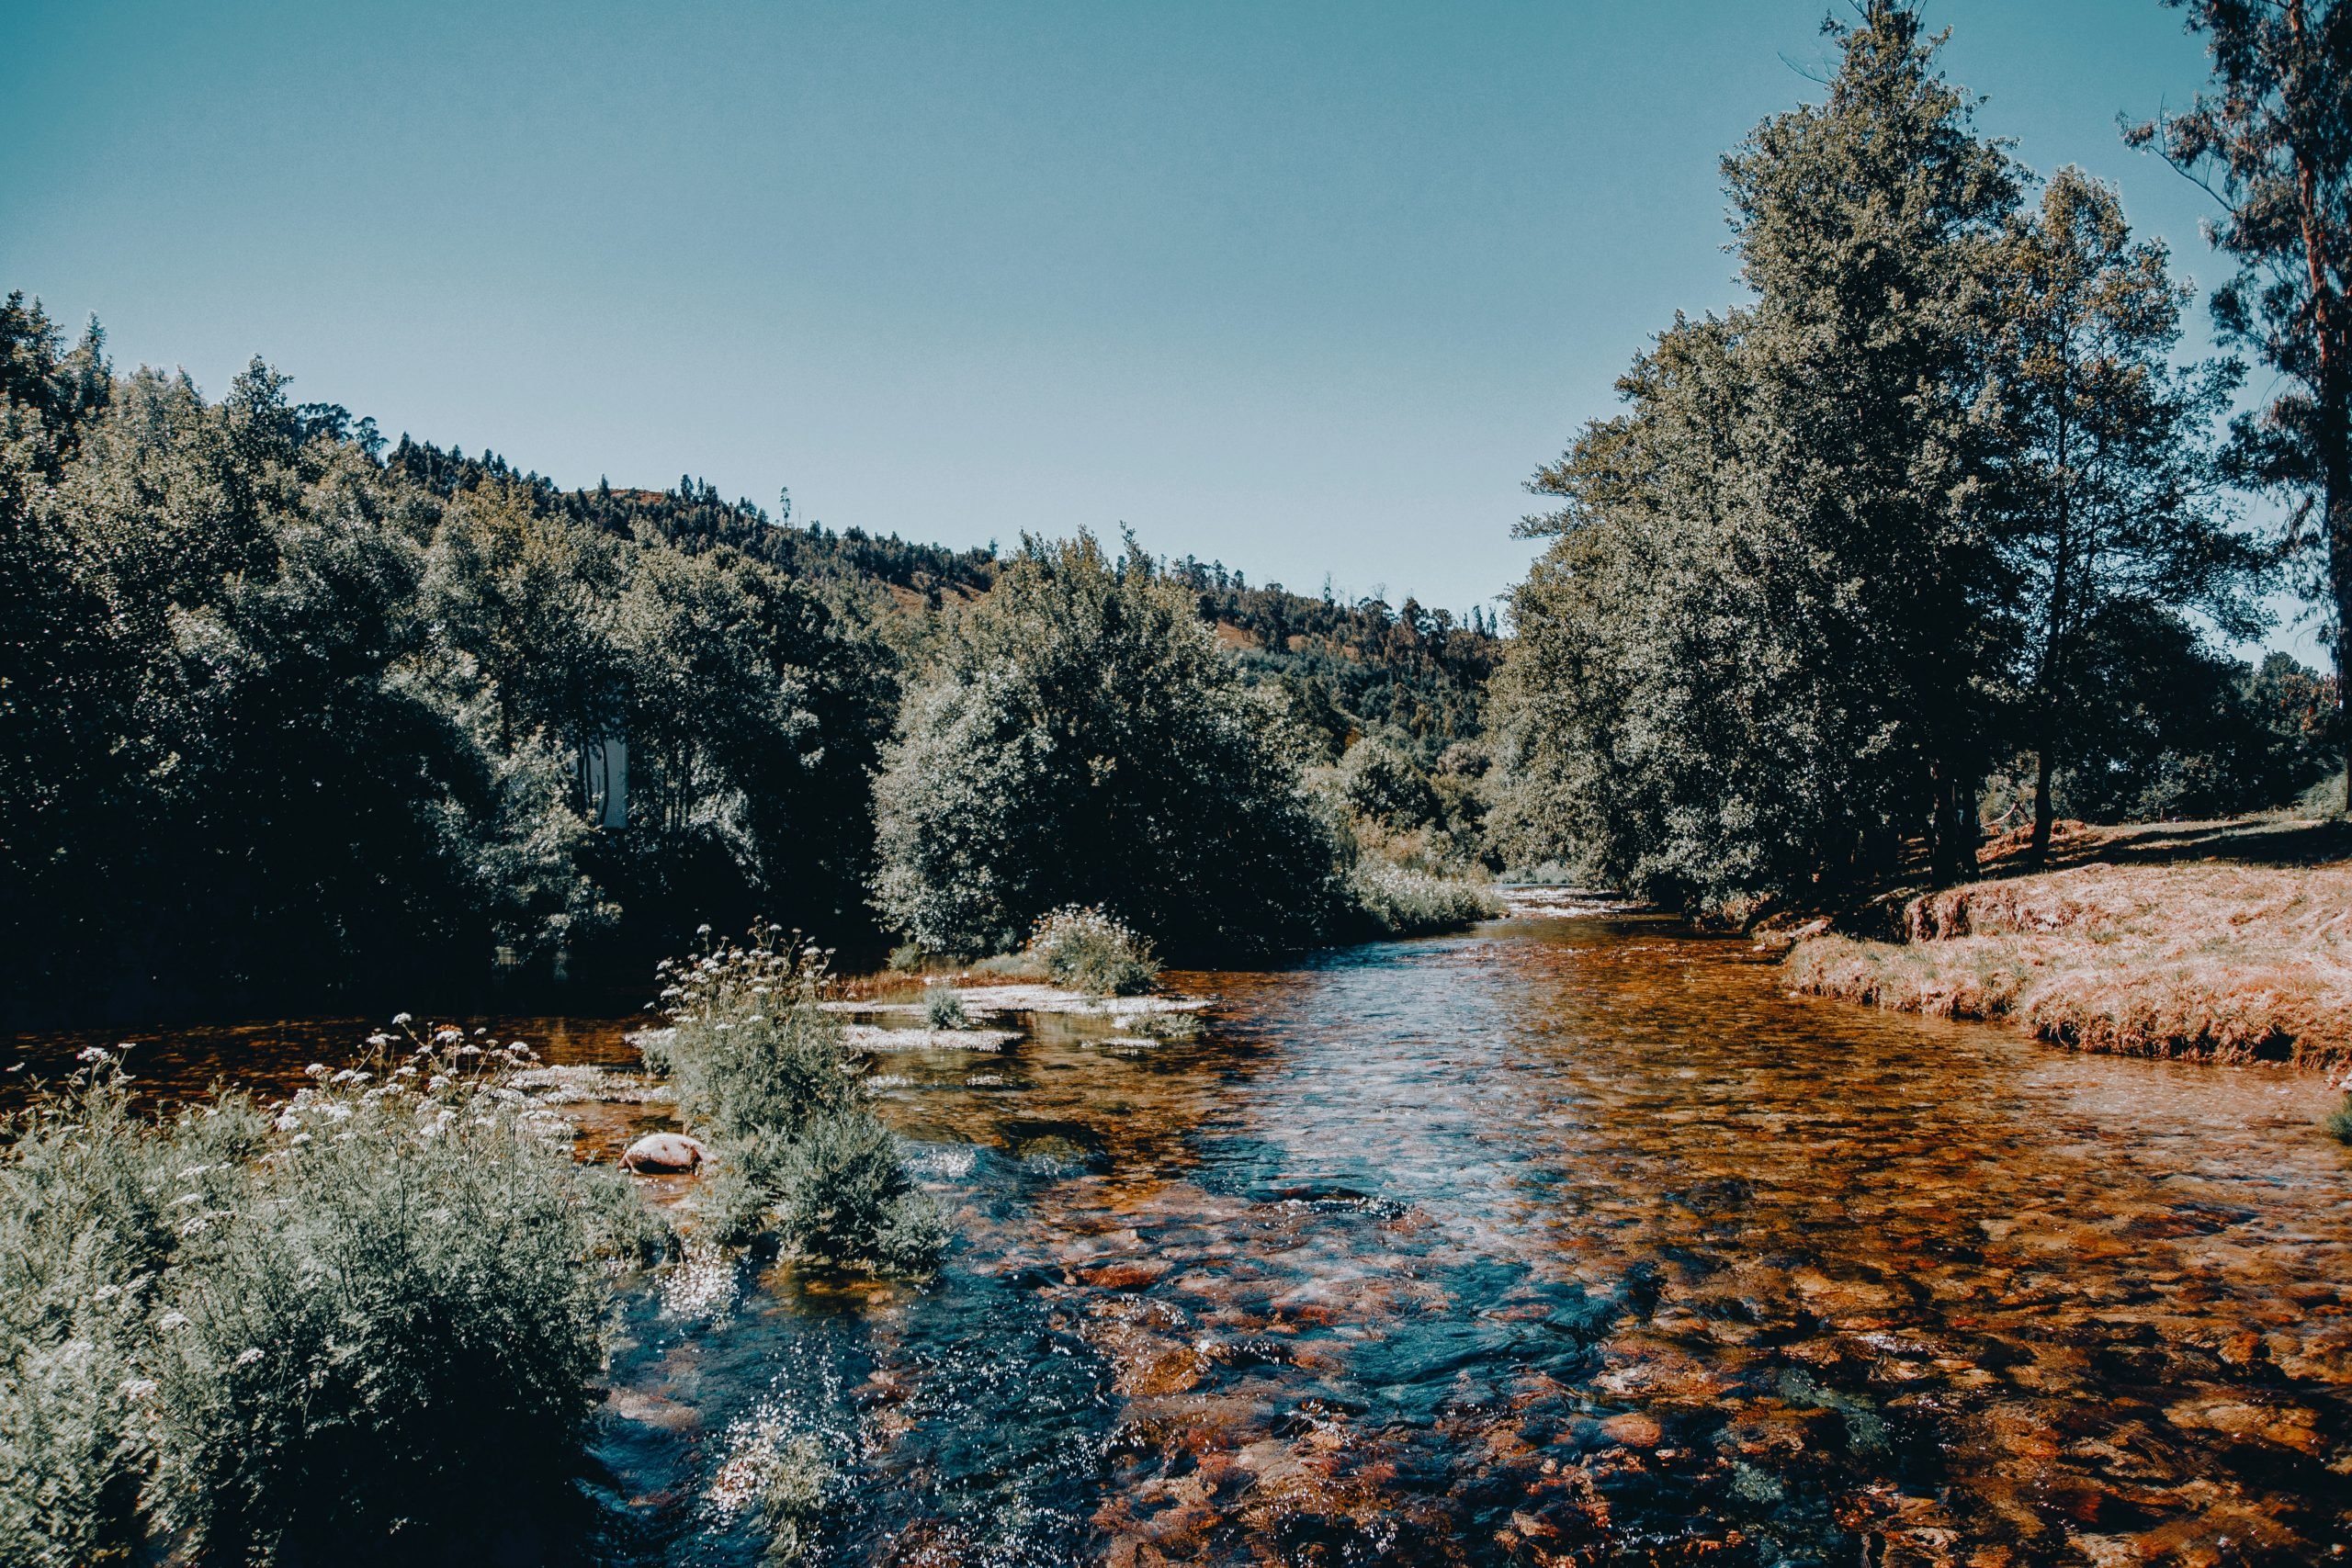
[[255, 1336], [848, 1200], [399, 1309], [1090, 951], [942, 1009], [89, 1221], [1381, 783], [1083, 741], [766, 1076], [1399, 901]]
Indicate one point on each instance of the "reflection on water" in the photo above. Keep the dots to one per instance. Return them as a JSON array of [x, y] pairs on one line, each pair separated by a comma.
[[1568, 1242]]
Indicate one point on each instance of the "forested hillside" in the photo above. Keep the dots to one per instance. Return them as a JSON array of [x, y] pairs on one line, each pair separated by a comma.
[[290, 713]]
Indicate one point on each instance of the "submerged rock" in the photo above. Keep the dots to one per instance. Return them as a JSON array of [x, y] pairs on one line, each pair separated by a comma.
[[665, 1153]]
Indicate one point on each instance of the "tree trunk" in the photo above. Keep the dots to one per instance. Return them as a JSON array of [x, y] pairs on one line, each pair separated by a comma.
[[2042, 811], [2339, 568], [1952, 834]]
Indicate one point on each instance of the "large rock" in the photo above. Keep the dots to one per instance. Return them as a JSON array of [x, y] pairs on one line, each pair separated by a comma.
[[665, 1153]]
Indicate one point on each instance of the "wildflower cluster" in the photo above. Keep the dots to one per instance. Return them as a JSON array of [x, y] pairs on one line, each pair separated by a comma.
[[1090, 950], [767, 1076], [263, 1331]]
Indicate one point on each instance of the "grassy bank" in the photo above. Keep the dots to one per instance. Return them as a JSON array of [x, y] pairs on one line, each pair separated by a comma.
[[2224, 941]]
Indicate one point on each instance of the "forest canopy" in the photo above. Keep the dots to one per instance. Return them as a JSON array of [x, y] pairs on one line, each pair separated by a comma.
[[290, 714]]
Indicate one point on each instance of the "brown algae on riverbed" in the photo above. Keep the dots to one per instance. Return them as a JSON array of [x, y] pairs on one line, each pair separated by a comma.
[[1569, 1242]]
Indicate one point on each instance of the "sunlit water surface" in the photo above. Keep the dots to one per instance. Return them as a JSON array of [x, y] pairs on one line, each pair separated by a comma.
[[1572, 1242]]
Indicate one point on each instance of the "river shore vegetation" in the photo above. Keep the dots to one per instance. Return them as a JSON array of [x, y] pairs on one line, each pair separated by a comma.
[[766, 1074], [293, 717], [1932, 533], [256, 1332]]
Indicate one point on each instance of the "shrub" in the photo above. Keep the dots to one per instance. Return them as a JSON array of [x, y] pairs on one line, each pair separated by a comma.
[[1399, 901], [1381, 783], [766, 1074], [2338, 1123], [89, 1221], [400, 1306], [848, 1200], [942, 1009], [1090, 951], [1169, 1026], [247, 1336], [1083, 740]]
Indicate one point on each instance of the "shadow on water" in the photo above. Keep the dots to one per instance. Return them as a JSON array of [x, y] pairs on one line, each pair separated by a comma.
[[1570, 1243]]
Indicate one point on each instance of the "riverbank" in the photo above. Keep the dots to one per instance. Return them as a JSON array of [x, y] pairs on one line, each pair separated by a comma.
[[2226, 942]]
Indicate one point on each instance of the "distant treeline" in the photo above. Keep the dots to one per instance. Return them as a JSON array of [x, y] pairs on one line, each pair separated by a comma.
[[1924, 536], [293, 717]]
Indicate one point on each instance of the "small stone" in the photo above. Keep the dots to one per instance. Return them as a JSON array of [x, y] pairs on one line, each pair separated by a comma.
[[664, 1153]]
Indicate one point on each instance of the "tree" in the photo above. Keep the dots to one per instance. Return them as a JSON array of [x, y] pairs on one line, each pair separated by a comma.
[[2105, 488], [2272, 142], [1082, 741], [1767, 643], [1863, 227]]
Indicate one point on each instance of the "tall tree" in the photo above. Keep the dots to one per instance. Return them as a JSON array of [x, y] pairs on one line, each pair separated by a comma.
[[1864, 223], [2272, 141], [1769, 642], [2107, 492]]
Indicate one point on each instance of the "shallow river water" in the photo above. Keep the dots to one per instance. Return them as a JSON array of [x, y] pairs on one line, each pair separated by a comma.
[[1565, 1242]]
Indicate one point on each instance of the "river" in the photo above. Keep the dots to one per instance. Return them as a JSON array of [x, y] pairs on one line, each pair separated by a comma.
[[1568, 1241]]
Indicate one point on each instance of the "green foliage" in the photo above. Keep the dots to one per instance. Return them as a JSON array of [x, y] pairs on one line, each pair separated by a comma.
[[1382, 782], [1088, 950], [91, 1214], [297, 1334], [1169, 1026], [1397, 900], [284, 717], [766, 1074], [2105, 489], [2272, 141], [399, 1308], [849, 1202], [1928, 499], [1083, 741], [1348, 669], [942, 1009]]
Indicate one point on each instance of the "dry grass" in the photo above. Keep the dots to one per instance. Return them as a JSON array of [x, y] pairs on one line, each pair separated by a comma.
[[2133, 947]]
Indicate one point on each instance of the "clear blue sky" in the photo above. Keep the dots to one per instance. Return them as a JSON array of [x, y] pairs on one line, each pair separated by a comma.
[[1307, 287]]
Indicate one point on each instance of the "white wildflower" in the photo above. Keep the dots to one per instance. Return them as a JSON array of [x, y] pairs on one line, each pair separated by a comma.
[[172, 1320], [315, 1071], [138, 1388], [399, 1018], [249, 1355], [91, 1053]]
